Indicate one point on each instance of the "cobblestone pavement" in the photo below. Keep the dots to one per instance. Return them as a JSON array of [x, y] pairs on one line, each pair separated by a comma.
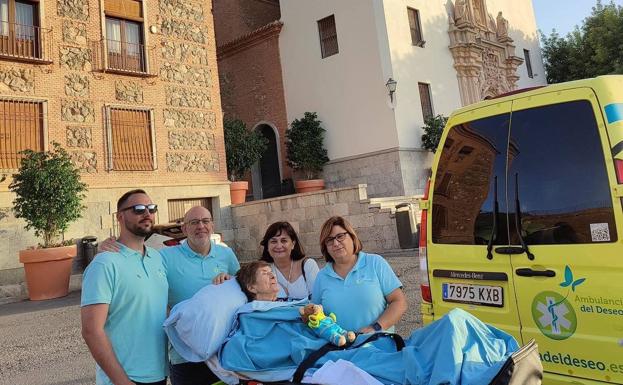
[[41, 342]]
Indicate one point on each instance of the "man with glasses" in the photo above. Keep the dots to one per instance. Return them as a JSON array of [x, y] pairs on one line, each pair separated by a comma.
[[124, 301], [191, 266]]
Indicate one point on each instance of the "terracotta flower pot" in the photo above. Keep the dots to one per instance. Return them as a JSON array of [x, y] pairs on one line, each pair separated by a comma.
[[303, 186], [238, 191], [47, 271]]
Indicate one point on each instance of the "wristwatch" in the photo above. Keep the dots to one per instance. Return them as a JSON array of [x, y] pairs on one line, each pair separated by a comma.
[[377, 327]]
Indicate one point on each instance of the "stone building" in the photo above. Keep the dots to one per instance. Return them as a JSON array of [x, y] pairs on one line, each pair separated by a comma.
[[130, 89], [278, 60]]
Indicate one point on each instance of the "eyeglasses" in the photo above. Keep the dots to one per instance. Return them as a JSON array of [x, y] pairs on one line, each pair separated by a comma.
[[205, 221], [338, 237], [140, 209]]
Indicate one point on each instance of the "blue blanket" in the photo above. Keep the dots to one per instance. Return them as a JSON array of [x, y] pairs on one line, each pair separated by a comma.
[[270, 341]]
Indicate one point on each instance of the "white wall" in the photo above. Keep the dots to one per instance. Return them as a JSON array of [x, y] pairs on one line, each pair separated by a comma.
[[347, 90], [432, 64]]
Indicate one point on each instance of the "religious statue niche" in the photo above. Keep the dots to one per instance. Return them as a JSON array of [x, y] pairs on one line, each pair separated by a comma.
[[483, 51]]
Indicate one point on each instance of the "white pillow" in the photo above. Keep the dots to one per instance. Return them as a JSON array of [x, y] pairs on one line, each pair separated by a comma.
[[197, 327]]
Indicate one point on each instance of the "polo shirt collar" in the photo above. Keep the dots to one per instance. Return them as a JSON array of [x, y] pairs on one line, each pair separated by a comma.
[[360, 264], [190, 252], [127, 252]]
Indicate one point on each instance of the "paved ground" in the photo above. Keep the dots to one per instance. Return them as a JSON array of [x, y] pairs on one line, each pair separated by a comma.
[[41, 343]]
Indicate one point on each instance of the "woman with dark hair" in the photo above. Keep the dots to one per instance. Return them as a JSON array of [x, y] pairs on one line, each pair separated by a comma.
[[360, 288], [295, 273]]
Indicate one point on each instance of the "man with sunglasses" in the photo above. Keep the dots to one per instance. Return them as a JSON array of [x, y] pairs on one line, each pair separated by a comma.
[[190, 266], [124, 301]]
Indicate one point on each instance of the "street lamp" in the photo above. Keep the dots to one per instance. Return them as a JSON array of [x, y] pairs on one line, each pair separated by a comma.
[[391, 87]]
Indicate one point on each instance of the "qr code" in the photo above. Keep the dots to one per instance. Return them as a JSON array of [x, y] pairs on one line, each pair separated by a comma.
[[600, 232]]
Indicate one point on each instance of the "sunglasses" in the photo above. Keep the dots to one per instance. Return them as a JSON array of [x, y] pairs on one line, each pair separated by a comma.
[[140, 209]]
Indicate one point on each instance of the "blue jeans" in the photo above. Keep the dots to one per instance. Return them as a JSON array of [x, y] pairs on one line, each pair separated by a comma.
[[192, 373]]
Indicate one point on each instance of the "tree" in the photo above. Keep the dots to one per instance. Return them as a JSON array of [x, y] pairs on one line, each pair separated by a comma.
[[49, 192], [305, 148], [433, 128], [591, 50], [242, 148]]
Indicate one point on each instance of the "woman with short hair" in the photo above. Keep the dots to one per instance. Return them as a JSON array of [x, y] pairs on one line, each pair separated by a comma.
[[360, 288]]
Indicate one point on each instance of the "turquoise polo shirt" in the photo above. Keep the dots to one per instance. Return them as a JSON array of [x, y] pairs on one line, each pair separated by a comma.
[[135, 288], [359, 299], [188, 272]]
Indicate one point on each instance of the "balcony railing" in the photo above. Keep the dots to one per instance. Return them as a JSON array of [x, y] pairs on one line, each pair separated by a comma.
[[121, 57], [25, 42]]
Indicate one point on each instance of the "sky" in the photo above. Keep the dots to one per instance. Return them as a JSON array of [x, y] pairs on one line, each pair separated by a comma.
[[563, 15]]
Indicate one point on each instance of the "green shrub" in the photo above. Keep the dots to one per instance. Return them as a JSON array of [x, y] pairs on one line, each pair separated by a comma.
[[242, 148], [433, 128], [49, 193], [305, 149]]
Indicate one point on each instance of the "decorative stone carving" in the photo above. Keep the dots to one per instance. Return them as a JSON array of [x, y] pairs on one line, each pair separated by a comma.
[[79, 137], [185, 74], [484, 54], [77, 59], [17, 79], [77, 85], [180, 9], [194, 140], [85, 161], [189, 119], [192, 162], [187, 97], [74, 32], [184, 53], [128, 91], [75, 9], [80, 111], [186, 31]]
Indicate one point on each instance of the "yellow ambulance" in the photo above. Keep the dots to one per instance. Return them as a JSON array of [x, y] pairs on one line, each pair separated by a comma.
[[522, 224]]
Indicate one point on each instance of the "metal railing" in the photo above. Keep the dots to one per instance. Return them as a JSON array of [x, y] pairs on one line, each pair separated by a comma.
[[25, 42], [119, 56]]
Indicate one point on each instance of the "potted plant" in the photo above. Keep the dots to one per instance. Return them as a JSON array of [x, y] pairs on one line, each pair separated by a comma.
[[306, 152], [242, 149], [433, 128], [49, 197]]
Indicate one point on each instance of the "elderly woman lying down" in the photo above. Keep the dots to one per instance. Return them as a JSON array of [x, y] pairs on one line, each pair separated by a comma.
[[268, 341]]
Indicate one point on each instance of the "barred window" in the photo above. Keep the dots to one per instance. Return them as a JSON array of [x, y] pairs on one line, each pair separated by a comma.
[[426, 100], [415, 26], [130, 139], [21, 128], [526, 55], [328, 36]]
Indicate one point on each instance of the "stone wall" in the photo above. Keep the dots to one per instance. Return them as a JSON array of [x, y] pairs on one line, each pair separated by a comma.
[[74, 58], [307, 212], [75, 9], [189, 119], [196, 140], [128, 91], [183, 52], [74, 32], [79, 137], [77, 111], [15, 79], [187, 97], [192, 162], [77, 85]]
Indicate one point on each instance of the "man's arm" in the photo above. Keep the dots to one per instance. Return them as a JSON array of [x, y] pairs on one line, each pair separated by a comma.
[[93, 320]]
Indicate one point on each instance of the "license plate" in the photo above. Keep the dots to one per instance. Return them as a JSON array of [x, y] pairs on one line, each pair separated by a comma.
[[473, 294]]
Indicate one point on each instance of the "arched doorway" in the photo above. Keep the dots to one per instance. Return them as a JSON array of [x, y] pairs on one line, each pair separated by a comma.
[[266, 175]]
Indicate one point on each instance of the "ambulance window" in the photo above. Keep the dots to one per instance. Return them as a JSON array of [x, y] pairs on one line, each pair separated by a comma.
[[557, 159], [472, 156]]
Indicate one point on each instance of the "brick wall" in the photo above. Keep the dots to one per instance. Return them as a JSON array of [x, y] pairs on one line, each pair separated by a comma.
[[235, 18]]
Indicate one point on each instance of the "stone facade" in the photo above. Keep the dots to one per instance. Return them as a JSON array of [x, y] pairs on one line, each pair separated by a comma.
[[77, 111], [128, 91], [192, 162], [75, 9], [177, 29], [307, 212], [86, 161], [191, 140], [74, 32], [77, 59], [79, 137], [77, 85], [79, 88], [189, 119], [16, 79]]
